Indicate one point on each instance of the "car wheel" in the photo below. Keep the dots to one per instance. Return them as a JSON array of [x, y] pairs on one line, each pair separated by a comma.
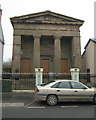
[[52, 100], [94, 100]]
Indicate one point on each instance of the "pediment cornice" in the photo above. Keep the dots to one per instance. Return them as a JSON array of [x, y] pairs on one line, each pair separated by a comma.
[[46, 17]]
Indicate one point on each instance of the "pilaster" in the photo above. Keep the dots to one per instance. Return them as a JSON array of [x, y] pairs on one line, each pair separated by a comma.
[[16, 54], [76, 52]]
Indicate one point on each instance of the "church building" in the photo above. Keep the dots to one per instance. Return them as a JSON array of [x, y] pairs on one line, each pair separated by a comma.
[[48, 40]]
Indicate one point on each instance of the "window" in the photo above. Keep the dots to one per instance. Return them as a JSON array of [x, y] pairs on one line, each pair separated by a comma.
[[88, 75], [44, 84], [55, 85], [61, 85], [76, 85], [64, 85]]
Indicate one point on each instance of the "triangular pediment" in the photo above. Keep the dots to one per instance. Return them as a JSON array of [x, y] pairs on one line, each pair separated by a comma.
[[50, 18], [46, 17]]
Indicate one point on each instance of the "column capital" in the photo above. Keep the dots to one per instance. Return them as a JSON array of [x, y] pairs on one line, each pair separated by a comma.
[[57, 37], [36, 36], [76, 36]]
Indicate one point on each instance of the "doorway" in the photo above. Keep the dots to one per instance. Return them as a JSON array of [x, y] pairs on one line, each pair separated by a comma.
[[25, 66], [64, 66], [45, 65]]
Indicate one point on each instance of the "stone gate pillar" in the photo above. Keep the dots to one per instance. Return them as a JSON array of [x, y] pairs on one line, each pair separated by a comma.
[[36, 55], [57, 55], [16, 54]]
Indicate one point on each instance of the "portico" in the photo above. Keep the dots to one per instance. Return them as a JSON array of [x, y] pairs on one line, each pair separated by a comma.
[[47, 40]]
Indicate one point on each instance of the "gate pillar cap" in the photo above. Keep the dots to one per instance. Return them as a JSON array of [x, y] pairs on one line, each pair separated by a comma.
[[38, 69], [74, 70]]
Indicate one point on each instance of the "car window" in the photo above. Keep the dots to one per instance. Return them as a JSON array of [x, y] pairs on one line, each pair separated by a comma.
[[44, 84], [61, 85], [55, 85], [64, 85], [76, 85]]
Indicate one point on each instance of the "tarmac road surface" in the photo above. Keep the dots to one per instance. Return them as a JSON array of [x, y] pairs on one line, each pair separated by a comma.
[[41, 110], [23, 105]]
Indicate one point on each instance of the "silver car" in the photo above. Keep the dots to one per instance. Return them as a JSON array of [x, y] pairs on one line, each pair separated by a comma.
[[64, 90]]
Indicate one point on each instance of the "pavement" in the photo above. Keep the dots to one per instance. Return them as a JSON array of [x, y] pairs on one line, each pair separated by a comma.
[[17, 98]]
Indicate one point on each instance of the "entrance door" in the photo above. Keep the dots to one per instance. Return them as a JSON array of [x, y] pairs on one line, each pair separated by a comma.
[[45, 65], [25, 66], [64, 66]]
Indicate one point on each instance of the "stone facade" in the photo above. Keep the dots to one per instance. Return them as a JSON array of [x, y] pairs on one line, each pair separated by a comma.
[[46, 39]]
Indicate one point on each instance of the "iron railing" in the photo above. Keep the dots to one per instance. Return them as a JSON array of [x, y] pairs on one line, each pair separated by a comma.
[[27, 81]]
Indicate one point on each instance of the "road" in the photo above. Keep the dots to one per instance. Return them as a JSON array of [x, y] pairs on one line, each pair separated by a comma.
[[41, 110]]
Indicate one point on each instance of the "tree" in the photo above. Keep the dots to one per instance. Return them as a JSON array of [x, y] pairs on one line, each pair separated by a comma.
[[7, 66]]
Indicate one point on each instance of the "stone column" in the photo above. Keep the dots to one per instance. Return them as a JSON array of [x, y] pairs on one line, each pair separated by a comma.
[[16, 54], [76, 52], [57, 55], [36, 54]]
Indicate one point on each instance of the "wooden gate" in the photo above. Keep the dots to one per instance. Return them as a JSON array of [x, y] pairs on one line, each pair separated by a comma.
[[25, 66], [45, 65], [64, 66]]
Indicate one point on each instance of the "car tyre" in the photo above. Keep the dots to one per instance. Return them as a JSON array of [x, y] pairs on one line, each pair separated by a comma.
[[94, 100], [52, 100]]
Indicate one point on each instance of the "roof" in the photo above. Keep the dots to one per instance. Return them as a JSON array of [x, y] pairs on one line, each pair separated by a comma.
[[90, 40], [46, 17], [93, 40]]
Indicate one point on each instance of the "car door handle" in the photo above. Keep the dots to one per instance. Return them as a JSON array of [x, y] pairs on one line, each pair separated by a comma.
[[58, 90], [76, 91]]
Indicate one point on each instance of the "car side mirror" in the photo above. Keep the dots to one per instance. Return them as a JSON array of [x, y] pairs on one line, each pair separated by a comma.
[[84, 88]]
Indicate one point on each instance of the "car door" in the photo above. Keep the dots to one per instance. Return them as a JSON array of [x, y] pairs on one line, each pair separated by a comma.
[[63, 90], [80, 91]]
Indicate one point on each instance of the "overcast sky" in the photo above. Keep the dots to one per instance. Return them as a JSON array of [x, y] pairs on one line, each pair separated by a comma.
[[80, 9]]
